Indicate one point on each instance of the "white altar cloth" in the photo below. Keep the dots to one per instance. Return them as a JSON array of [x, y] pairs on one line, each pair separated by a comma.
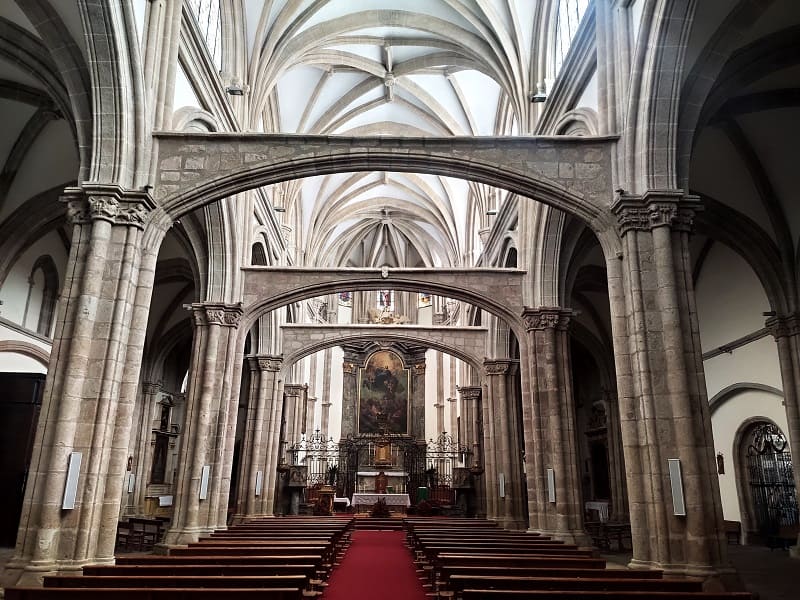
[[390, 499]]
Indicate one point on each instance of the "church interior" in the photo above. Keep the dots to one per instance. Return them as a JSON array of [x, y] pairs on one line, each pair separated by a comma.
[[530, 262]]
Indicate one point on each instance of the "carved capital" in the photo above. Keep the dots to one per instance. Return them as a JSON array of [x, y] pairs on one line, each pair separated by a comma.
[[656, 208], [107, 203], [546, 317], [151, 388], [265, 362], [472, 392], [784, 326], [294, 390], [213, 313], [496, 367]]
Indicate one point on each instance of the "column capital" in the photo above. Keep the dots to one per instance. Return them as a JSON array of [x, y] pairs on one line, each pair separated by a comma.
[[784, 325], [656, 208], [496, 366], [96, 202], [294, 390], [546, 317], [216, 313], [470, 392], [151, 387], [265, 362], [452, 399]]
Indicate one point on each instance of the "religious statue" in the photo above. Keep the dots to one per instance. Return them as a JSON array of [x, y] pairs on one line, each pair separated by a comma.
[[381, 481]]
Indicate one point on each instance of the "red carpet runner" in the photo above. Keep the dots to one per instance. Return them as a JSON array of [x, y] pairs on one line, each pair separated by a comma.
[[377, 566]]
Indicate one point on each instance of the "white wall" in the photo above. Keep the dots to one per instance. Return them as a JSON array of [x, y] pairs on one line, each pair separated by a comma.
[[11, 362], [726, 422]]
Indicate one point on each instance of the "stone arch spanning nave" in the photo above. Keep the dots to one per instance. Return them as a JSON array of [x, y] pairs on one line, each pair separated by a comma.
[[571, 219]]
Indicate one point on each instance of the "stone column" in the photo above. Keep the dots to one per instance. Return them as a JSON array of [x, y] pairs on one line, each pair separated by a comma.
[[325, 418], [786, 329], [551, 440], [439, 406], [470, 409], [473, 439], [352, 359], [294, 393], [207, 420], [616, 461], [143, 448], [87, 406], [502, 448], [663, 407], [260, 444], [452, 407], [417, 424], [308, 425]]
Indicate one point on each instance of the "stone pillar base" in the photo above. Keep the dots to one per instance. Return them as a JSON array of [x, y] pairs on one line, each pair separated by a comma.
[[794, 551], [579, 538], [715, 579], [21, 574], [511, 523], [182, 537]]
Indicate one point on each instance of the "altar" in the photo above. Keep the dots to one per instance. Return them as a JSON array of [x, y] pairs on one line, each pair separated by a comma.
[[368, 500]]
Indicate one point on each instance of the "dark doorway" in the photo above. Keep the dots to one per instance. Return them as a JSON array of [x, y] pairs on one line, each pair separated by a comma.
[[19, 413]]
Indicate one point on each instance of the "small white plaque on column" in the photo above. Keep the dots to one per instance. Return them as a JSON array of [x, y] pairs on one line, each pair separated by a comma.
[[71, 486], [259, 482], [131, 482], [205, 475], [502, 481], [676, 483], [551, 485]]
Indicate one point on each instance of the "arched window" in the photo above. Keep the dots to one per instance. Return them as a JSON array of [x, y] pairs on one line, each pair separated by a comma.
[[207, 15], [42, 294], [258, 256], [568, 18]]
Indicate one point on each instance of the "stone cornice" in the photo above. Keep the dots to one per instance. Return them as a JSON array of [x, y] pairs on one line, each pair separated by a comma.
[[656, 208], [295, 390], [546, 317], [216, 313]]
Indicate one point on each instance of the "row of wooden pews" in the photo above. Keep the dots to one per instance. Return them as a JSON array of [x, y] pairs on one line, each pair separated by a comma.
[[285, 558], [469, 559]]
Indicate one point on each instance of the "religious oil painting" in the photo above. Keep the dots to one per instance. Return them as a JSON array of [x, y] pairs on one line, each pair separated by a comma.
[[383, 389]]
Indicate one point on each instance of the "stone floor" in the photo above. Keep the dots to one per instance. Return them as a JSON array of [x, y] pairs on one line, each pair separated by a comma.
[[771, 574]]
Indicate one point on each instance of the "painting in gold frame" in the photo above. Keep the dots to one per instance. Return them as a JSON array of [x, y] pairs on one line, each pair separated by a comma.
[[383, 387]]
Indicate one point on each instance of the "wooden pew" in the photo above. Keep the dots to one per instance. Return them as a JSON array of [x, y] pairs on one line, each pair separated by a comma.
[[177, 581], [38, 593], [256, 559], [519, 560], [524, 571], [608, 583], [484, 594], [308, 570]]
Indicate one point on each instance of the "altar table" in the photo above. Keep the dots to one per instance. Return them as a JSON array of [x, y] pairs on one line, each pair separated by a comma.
[[397, 500]]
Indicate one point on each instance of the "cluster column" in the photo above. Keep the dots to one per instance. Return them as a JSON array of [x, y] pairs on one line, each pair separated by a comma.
[[87, 407], [502, 446], [259, 456], [786, 330], [353, 357], [554, 493], [201, 494], [664, 412], [143, 448], [417, 424]]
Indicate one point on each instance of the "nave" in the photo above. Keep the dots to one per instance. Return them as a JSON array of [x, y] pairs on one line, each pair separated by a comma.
[[362, 557]]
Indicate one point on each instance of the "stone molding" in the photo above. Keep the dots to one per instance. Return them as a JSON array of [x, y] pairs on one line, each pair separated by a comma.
[[656, 208], [546, 317], [107, 203], [348, 367], [216, 313], [784, 326], [472, 392], [496, 367]]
